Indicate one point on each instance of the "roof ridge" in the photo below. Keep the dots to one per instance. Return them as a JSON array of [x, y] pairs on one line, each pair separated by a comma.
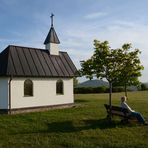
[[25, 47], [34, 48]]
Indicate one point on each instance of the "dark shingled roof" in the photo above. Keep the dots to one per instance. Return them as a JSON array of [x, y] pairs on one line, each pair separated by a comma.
[[52, 37], [32, 62]]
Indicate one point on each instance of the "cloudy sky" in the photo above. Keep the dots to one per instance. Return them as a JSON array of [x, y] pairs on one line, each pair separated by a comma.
[[77, 23]]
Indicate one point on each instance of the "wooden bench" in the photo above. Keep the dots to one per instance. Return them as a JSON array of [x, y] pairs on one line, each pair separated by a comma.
[[118, 111]]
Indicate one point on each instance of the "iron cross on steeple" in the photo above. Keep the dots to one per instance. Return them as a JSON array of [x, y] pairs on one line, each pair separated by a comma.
[[52, 15]]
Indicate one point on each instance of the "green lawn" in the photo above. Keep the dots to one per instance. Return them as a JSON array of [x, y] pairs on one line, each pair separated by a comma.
[[81, 126]]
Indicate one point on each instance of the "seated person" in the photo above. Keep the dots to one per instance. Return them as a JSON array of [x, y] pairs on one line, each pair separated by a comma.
[[133, 113]]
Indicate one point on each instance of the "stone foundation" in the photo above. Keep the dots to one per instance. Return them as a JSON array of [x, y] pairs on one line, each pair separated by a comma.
[[35, 109]]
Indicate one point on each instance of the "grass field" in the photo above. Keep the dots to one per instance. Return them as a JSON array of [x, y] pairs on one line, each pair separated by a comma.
[[83, 126]]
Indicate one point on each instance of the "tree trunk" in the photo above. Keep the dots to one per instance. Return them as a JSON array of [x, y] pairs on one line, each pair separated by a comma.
[[125, 89], [110, 99]]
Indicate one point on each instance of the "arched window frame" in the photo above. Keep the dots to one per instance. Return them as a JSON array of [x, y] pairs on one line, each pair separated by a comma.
[[28, 88], [59, 87]]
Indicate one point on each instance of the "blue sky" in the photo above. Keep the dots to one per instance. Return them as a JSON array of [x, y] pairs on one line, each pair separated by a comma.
[[77, 23]]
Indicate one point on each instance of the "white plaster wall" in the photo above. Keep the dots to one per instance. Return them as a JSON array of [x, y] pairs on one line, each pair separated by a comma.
[[53, 48], [4, 93], [44, 93]]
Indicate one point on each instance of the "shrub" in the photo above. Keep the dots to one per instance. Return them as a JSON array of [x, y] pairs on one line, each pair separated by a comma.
[[118, 89], [143, 87], [101, 89], [88, 90]]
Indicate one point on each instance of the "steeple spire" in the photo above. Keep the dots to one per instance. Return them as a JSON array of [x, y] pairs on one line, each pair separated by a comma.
[[52, 15], [52, 36]]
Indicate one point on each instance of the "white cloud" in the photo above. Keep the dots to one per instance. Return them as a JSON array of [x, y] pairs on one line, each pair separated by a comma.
[[77, 39], [95, 15], [80, 40]]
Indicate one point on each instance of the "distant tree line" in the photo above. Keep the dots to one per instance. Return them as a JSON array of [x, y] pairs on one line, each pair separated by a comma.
[[103, 89], [144, 87], [100, 89]]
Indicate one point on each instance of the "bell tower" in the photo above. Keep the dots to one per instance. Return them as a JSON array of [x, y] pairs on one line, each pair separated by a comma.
[[51, 42]]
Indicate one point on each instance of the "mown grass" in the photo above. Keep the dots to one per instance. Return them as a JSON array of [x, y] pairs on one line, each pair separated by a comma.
[[83, 126]]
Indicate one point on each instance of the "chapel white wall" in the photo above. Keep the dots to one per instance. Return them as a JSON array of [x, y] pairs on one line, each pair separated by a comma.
[[44, 93], [4, 96]]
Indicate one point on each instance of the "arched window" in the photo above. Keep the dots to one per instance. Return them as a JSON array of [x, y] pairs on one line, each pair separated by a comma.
[[28, 88], [59, 87]]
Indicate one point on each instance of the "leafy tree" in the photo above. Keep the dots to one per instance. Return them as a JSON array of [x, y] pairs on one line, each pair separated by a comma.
[[87, 69], [130, 67], [103, 64], [116, 65]]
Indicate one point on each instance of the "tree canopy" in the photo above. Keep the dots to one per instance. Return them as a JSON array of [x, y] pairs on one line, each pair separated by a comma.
[[130, 66]]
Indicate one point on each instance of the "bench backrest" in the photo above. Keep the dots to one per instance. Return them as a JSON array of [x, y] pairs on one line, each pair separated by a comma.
[[116, 110]]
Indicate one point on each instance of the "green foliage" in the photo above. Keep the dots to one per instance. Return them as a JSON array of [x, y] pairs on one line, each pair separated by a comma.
[[144, 87], [88, 90], [91, 90], [130, 66], [105, 61], [87, 68]]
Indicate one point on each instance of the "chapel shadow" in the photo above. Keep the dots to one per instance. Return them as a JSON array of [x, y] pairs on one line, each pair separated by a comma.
[[70, 126]]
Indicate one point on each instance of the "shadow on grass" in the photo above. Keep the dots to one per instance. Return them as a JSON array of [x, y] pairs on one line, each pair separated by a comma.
[[70, 126], [81, 101]]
